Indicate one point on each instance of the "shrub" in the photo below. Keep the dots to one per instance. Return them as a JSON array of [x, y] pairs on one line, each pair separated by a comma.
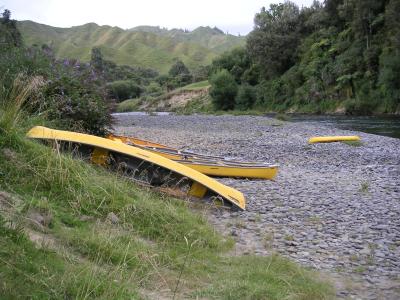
[[154, 89], [124, 89], [77, 104], [223, 90], [179, 74], [389, 80], [359, 107], [246, 97]]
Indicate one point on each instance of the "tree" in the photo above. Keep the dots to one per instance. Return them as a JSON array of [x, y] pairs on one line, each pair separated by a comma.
[[96, 60], [365, 18], [178, 68], [223, 90], [124, 89], [246, 97], [276, 35], [9, 33], [180, 73], [6, 16], [334, 18], [201, 73], [235, 62]]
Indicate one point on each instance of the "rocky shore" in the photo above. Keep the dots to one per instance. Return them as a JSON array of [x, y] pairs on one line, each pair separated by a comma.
[[333, 207]]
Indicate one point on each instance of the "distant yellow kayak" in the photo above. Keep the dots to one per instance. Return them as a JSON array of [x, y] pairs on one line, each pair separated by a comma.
[[331, 139]]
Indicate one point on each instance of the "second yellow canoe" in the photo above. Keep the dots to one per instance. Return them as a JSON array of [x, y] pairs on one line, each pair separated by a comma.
[[206, 164], [331, 139]]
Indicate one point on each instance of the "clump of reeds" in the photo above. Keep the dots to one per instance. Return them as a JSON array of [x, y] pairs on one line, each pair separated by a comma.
[[12, 100]]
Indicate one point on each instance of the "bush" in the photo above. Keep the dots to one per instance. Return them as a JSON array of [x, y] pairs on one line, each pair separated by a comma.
[[389, 82], [124, 89], [358, 107], [179, 74], [70, 93], [154, 89], [76, 107], [246, 97], [223, 90]]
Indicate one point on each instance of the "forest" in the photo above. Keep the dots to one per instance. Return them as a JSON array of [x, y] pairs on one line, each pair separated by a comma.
[[337, 56]]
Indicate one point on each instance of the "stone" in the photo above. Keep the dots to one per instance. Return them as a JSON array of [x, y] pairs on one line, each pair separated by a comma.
[[113, 218], [39, 218]]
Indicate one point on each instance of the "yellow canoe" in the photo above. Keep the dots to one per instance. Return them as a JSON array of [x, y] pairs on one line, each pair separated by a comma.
[[107, 152], [224, 169], [206, 164], [330, 139]]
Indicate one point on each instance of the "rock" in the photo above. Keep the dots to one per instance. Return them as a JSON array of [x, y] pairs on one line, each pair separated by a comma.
[[6, 201], [111, 217], [9, 154], [38, 218]]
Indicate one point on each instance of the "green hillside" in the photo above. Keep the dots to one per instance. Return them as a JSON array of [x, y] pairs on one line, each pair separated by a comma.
[[143, 46]]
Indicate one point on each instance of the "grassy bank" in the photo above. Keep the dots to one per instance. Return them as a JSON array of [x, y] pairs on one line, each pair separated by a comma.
[[203, 104], [72, 230]]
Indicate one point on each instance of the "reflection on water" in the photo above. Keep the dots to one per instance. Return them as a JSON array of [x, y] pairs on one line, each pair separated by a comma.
[[381, 125]]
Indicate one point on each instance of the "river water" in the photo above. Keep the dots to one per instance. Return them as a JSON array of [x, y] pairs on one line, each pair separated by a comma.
[[380, 125]]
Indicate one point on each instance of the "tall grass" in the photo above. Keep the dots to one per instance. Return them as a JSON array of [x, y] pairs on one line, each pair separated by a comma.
[[11, 101]]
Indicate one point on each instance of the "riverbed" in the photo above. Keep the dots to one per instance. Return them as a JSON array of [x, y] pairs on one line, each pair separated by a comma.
[[333, 207]]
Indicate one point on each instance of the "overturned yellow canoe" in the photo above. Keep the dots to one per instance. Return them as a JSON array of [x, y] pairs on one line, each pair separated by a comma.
[[330, 139], [206, 164], [135, 160]]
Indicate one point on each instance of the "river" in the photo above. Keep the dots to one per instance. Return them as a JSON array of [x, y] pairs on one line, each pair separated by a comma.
[[380, 125]]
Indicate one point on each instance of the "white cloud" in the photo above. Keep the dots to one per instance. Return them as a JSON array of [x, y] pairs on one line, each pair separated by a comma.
[[234, 16]]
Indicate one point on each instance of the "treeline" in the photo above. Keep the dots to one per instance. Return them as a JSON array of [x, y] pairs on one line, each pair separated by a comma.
[[126, 82], [339, 55]]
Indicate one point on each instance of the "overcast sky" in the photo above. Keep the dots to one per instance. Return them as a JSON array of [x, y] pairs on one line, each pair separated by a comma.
[[233, 16]]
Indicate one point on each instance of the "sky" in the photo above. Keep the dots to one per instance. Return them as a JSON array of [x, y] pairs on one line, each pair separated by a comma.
[[233, 16]]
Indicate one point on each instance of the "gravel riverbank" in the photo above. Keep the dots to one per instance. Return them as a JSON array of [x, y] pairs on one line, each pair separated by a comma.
[[333, 207]]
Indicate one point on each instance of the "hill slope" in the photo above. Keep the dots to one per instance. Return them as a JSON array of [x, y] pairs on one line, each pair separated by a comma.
[[143, 46]]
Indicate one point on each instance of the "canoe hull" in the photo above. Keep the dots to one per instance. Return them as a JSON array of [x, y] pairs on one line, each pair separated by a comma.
[[201, 185]]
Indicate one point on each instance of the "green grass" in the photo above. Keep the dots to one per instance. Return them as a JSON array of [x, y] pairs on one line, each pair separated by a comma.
[[199, 104], [158, 243], [272, 277], [195, 86], [129, 105], [364, 188]]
